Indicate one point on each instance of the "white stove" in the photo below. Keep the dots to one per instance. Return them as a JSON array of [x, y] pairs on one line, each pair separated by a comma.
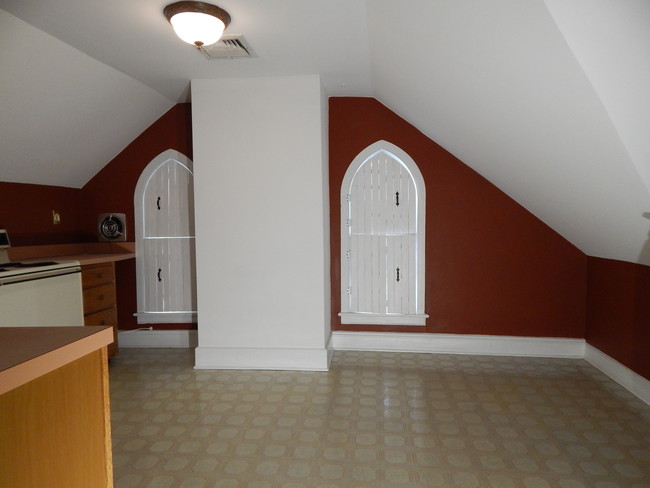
[[39, 292]]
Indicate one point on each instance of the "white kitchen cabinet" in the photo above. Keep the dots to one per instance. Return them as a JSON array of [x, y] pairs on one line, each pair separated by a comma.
[[165, 253], [382, 239]]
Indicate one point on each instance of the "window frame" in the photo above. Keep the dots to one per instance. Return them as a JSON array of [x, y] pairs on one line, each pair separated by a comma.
[[347, 315], [143, 315]]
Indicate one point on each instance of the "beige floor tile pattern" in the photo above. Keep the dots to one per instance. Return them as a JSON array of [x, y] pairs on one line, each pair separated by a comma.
[[375, 420]]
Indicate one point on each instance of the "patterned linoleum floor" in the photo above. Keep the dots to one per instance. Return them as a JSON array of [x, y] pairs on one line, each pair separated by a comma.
[[375, 420]]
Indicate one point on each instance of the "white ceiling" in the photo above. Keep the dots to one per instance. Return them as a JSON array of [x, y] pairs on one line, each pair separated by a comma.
[[547, 99]]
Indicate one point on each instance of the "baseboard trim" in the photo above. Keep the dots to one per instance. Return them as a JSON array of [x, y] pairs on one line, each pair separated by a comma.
[[157, 338], [624, 376], [262, 358], [459, 344], [320, 359]]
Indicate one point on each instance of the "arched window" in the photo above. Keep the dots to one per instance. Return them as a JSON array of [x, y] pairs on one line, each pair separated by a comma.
[[382, 239], [164, 235]]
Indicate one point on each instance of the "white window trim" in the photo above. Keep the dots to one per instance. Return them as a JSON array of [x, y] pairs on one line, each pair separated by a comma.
[[350, 317], [382, 318]]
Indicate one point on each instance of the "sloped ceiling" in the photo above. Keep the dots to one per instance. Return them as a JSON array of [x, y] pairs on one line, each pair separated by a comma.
[[545, 98], [63, 114], [497, 84]]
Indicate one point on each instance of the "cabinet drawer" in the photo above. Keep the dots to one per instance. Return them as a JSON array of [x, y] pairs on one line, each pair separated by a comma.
[[97, 275], [105, 317], [99, 298]]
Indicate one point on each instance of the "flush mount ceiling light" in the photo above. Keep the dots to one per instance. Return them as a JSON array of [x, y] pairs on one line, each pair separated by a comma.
[[197, 23]]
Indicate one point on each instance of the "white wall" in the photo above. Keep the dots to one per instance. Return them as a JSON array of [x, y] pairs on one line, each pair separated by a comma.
[[611, 42], [262, 246]]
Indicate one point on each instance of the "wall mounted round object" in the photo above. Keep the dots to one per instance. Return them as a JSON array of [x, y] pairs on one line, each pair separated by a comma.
[[111, 227]]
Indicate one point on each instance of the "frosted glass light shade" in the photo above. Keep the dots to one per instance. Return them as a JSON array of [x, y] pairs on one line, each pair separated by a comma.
[[197, 23], [197, 28]]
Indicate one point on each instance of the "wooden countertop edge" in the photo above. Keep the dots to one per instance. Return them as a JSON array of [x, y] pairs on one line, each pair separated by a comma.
[[33, 368], [85, 253], [86, 259]]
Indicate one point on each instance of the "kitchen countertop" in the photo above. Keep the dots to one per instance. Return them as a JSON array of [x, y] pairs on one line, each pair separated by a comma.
[[86, 253], [27, 353]]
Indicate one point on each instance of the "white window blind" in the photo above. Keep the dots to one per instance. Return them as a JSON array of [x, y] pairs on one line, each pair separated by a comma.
[[165, 259], [382, 238]]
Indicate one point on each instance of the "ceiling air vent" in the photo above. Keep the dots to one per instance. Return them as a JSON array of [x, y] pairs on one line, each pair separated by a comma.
[[229, 47]]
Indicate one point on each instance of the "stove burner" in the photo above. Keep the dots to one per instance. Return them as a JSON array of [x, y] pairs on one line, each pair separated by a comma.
[[17, 264]]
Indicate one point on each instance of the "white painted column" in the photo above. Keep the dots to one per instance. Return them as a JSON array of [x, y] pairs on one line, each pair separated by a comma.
[[262, 220]]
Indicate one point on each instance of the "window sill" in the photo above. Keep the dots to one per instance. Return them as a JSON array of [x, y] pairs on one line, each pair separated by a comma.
[[382, 319], [166, 317]]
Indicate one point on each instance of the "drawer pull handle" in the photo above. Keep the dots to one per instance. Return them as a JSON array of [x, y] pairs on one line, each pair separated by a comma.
[[100, 297], [100, 275], [103, 322], [159, 271]]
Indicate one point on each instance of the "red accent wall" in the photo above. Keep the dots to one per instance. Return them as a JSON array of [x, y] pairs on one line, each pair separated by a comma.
[[112, 190], [491, 266], [26, 213], [618, 311]]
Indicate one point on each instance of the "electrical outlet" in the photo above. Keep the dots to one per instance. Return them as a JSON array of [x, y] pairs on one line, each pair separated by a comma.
[[56, 217]]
